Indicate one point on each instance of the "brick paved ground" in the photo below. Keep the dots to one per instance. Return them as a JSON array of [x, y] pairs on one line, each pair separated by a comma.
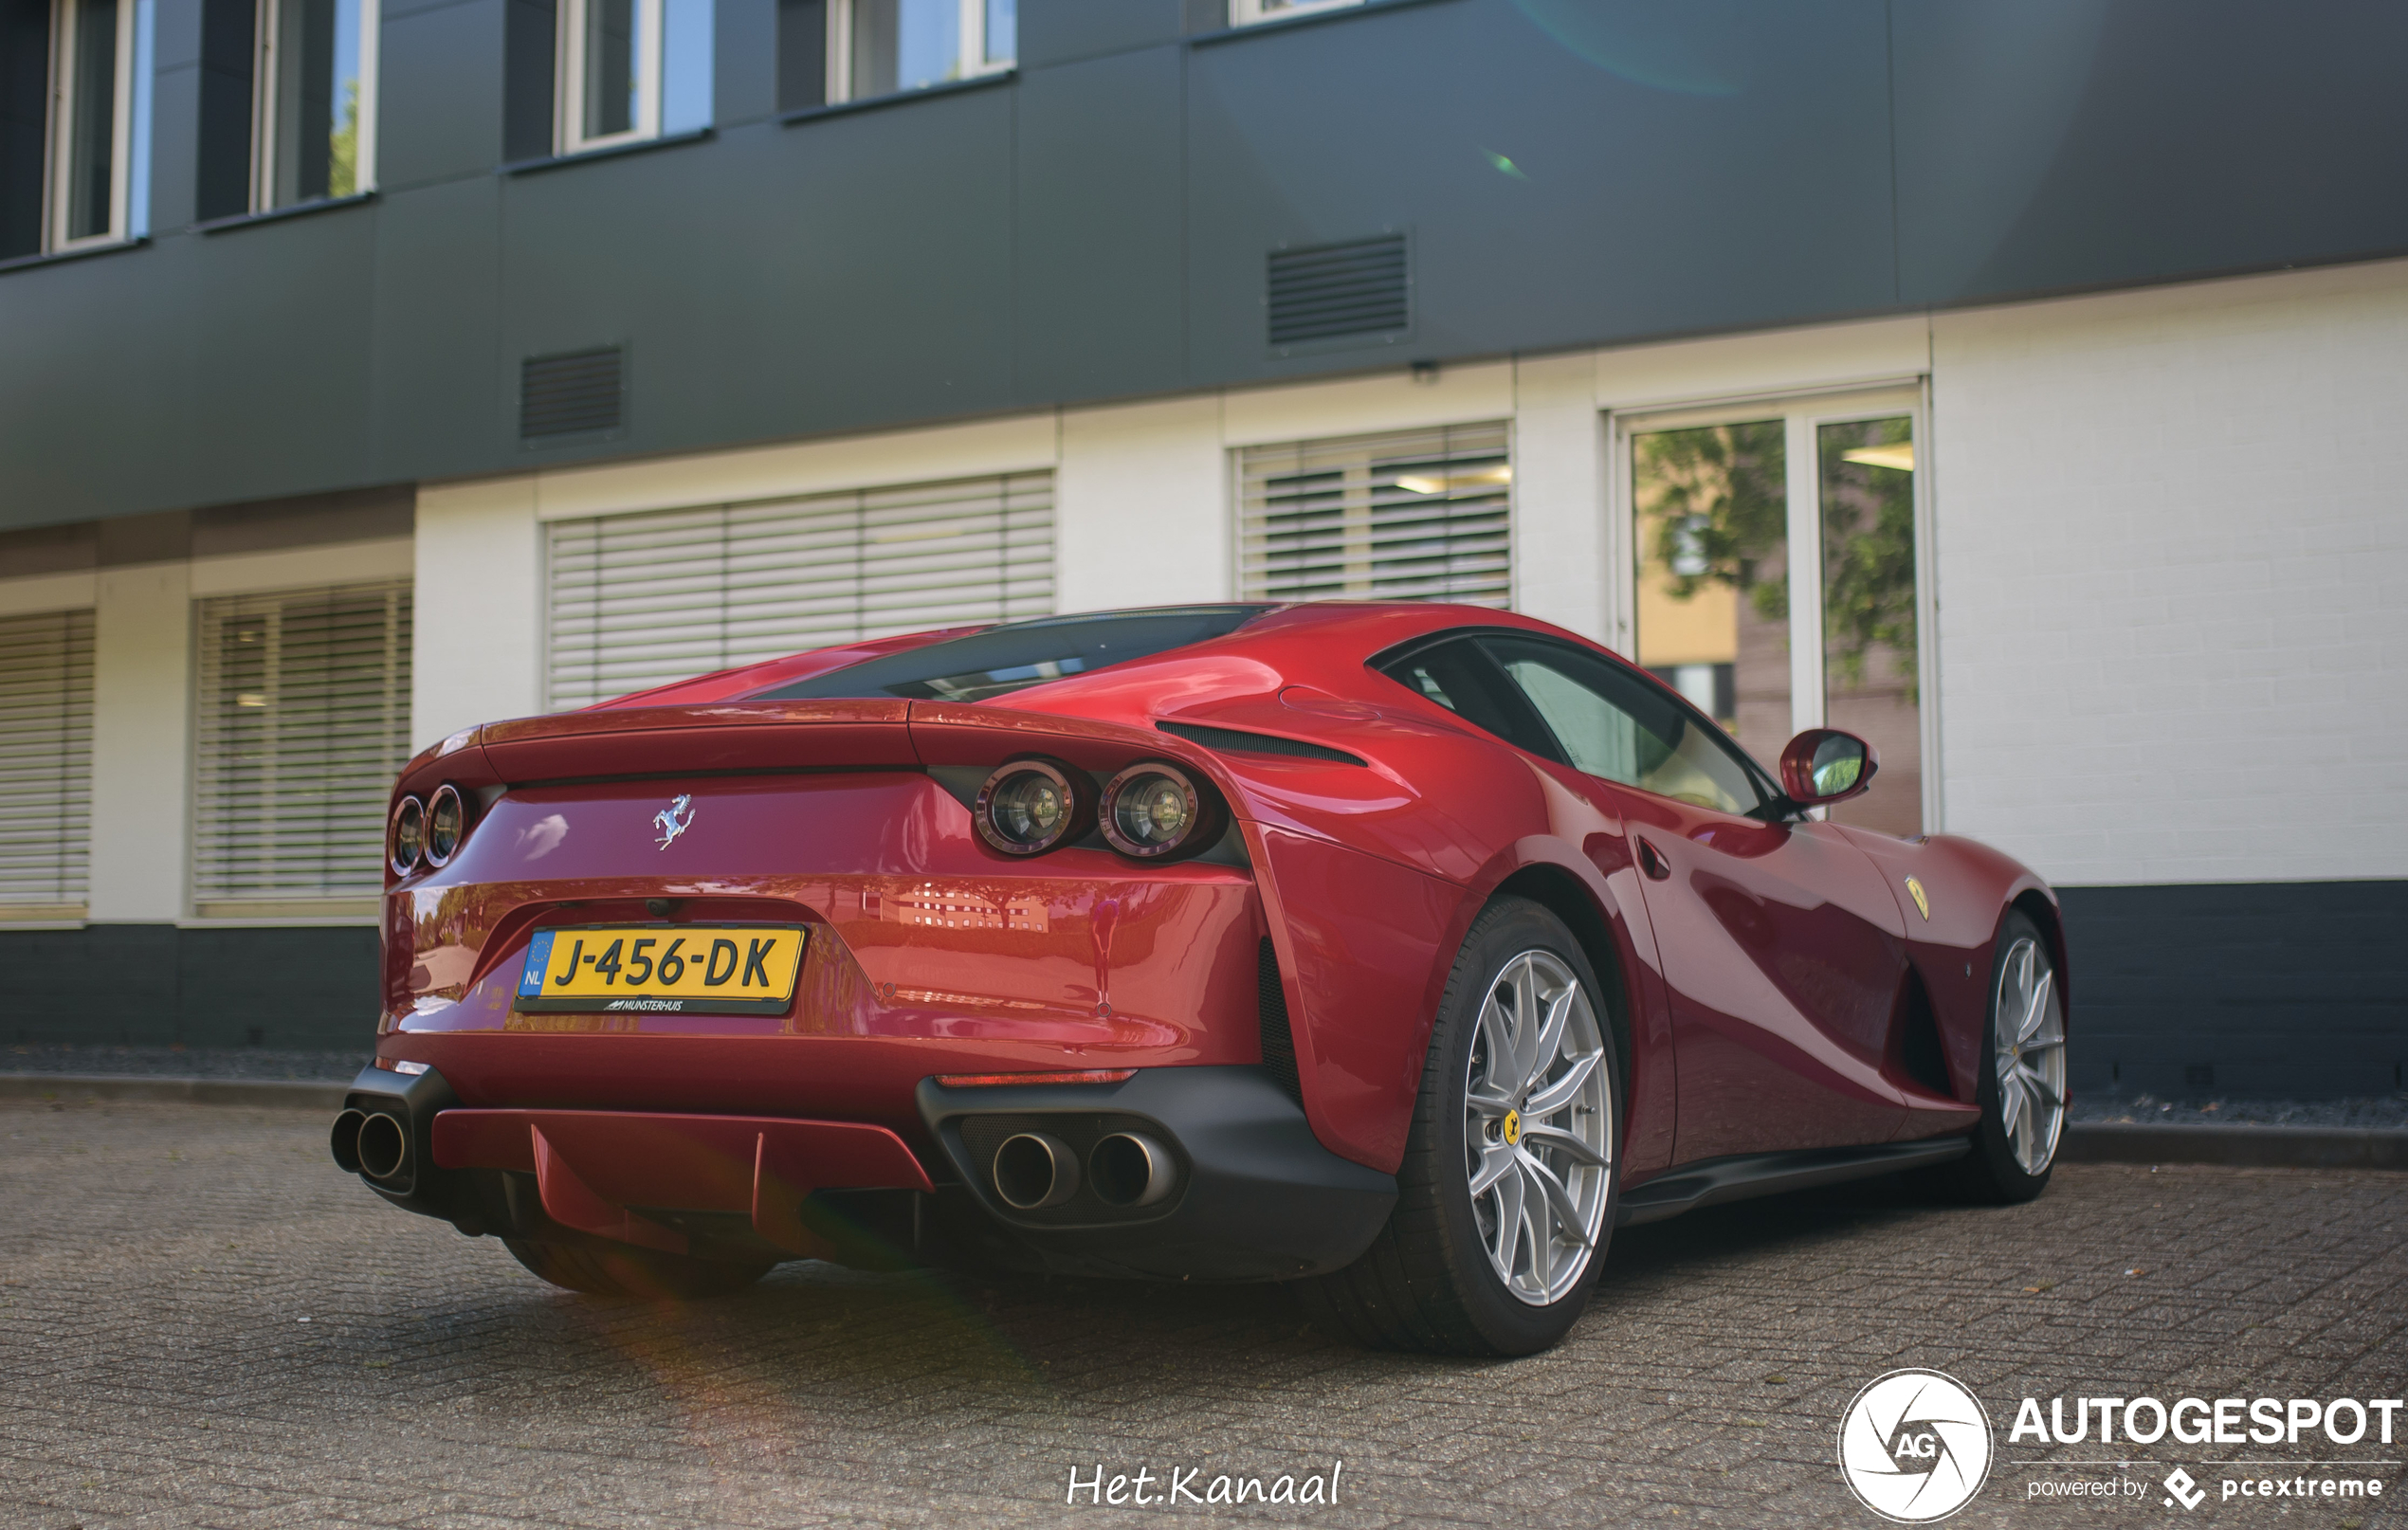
[[158, 1260]]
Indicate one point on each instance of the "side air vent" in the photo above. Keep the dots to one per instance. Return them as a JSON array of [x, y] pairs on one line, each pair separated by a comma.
[[576, 393], [1234, 740], [1332, 292], [1279, 1042]]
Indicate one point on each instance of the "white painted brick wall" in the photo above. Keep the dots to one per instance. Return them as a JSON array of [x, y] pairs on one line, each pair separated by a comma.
[[2172, 531]]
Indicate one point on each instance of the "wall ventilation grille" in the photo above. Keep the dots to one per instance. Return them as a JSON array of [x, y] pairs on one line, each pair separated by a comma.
[[573, 393], [1335, 292]]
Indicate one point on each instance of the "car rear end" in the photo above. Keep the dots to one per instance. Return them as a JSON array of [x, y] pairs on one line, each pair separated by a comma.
[[749, 977]]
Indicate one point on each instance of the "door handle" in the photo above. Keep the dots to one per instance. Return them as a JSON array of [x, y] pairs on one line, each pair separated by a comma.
[[1651, 860]]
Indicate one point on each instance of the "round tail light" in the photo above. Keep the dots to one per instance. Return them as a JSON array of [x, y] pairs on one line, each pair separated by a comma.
[[1153, 810], [407, 839], [447, 820], [1029, 807]]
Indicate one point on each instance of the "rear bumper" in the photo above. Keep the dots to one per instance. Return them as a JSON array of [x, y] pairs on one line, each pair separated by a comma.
[[1255, 1195], [1258, 1197]]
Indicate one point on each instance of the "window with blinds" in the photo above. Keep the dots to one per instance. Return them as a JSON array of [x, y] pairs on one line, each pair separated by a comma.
[[1415, 515], [302, 723], [641, 600], [45, 764]]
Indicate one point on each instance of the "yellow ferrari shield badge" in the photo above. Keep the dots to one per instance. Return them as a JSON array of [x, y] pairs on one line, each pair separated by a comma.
[[1513, 1128], [1921, 901]]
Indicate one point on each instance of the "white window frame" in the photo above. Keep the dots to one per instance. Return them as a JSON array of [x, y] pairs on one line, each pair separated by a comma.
[[1802, 414], [1254, 13], [569, 130], [61, 147], [971, 64], [265, 131]]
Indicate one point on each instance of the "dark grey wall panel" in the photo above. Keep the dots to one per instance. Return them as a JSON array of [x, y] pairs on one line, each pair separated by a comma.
[[2273, 989], [1100, 301], [440, 406], [1568, 173], [155, 985], [286, 308], [848, 271], [1634, 199], [743, 59], [1056, 32], [439, 107], [2074, 143]]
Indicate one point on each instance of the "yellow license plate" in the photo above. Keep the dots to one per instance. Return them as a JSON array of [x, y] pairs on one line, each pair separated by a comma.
[[653, 969]]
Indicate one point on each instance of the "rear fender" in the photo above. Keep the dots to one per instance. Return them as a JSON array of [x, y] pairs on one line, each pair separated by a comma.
[[1969, 888]]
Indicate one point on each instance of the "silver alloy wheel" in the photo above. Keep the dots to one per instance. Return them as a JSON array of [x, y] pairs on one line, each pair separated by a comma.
[[2030, 1031], [1538, 1127]]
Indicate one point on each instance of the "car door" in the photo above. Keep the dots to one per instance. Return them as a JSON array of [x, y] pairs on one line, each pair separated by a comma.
[[1782, 948]]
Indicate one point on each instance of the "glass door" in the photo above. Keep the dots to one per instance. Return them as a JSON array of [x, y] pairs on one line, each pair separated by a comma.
[[1778, 578]]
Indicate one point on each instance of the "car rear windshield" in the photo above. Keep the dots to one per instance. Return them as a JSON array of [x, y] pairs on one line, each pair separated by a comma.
[[1005, 659]]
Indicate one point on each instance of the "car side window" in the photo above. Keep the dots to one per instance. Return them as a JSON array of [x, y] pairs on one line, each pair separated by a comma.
[[1459, 677], [1615, 726]]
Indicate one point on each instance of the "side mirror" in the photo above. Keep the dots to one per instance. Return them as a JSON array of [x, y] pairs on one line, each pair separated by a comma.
[[1823, 765]]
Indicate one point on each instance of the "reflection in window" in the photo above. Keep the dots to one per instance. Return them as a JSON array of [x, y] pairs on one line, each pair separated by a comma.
[[1712, 539], [1871, 683], [76, 102], [632, 70], [313, 119], [840, 50], [1614, 726], [610, 69]]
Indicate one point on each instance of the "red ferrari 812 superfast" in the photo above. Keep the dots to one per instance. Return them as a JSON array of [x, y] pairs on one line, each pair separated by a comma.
[[1401, 950]]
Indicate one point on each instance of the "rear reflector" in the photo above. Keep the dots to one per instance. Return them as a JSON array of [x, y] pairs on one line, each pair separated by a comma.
[[989, 1080]]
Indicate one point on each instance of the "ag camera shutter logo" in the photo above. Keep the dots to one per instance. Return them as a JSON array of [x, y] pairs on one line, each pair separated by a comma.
[[1914, 1445]]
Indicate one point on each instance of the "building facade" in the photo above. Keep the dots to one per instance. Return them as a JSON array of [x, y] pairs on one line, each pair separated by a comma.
[[2020, 387]]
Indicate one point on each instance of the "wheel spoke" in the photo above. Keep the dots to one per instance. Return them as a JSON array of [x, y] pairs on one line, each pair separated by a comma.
[[1496, 1029], [2041, 1043], [2039, 1086], [1560, 1093], [1509, 1198], [2009, 1102], [1550, 1037], [1484, 1100], [1562, 1142], [1525, 1027], [1495, 1162], [2036, 1012], [1541, 1240], [1558, 1199]]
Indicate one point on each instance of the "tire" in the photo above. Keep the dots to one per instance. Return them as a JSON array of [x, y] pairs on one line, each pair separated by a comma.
[[624, 1270], [1433, 1278], [2010, 1160]]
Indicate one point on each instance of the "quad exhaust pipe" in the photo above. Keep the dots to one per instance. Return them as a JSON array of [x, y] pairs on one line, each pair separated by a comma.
[[1034, 1171], [1130, 1169], [370, 1142]]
